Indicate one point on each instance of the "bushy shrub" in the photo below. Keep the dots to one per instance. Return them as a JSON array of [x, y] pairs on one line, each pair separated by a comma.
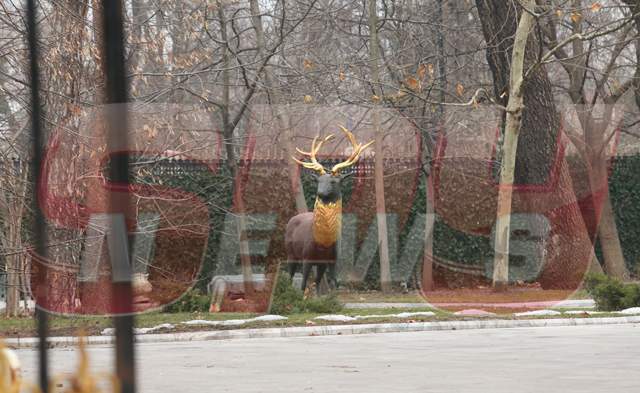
[[286, 298], [631, 296], [290, 300], [192, 301], [323, 305], [611, 294]]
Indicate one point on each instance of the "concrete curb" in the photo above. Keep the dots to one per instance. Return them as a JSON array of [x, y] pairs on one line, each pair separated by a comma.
[[306, 331], [570, 303]]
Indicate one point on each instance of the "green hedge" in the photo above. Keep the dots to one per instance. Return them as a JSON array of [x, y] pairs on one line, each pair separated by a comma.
[[624, 188], [216, 190]]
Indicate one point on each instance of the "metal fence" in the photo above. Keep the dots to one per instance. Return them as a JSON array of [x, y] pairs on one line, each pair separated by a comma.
[[116, 93]]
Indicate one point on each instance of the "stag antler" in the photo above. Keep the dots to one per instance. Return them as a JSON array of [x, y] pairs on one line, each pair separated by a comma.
[[355, 154], [314, 164]]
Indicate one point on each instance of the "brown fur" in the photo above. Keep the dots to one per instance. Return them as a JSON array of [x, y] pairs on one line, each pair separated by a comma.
[[311, 239]]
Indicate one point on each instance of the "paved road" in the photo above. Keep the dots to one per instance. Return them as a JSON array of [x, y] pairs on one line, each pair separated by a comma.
[[562, 359]]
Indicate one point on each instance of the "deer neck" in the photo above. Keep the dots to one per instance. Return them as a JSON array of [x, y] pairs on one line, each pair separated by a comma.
[[327, 221]]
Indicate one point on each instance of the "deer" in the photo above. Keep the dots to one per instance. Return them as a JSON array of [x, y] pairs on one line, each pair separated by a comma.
[[311, 238]]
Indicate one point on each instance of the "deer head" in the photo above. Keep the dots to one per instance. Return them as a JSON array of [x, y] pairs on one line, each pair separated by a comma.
[[329, 182]]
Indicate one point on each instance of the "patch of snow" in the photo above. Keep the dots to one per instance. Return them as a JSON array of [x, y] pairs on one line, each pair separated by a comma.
[[204, 322], [373, 316], [270, 318], [576, 303], [415, 314], [588, 312], [386, 305], [201, 322], [474, 313], [400, 315], [336, 318], [630, 311], [233, 322], [108, 332], [30, 305], [537, 313]]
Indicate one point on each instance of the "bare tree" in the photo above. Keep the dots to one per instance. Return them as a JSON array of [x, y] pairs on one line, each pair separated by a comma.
[[513, 124]]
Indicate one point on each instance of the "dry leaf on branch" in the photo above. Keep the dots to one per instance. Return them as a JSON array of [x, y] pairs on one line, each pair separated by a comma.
[[576, 17], [308, 64], [412, 83], [422, 71]]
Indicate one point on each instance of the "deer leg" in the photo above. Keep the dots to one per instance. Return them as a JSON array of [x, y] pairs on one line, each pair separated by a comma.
[[332, 278], [293, 268], [306, 269], [320, 269]]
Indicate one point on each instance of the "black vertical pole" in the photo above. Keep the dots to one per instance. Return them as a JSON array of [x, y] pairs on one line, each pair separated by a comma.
[[116, 97], [39, 224]]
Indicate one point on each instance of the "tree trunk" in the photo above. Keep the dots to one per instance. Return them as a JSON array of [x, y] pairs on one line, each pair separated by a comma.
[[13, 285], [536, 147], [427, 265], [13, 241], [606, 228], [383, 236], [614, 263], [540, 121], [228, 129], [634, 5], [513, 124], [599, 212], [136, 60]]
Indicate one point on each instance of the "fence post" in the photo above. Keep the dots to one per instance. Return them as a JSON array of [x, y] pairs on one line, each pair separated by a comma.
[[116, 97], [39, 224]]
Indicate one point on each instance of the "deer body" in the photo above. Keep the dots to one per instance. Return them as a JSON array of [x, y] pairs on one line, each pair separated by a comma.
[[311, 239]]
